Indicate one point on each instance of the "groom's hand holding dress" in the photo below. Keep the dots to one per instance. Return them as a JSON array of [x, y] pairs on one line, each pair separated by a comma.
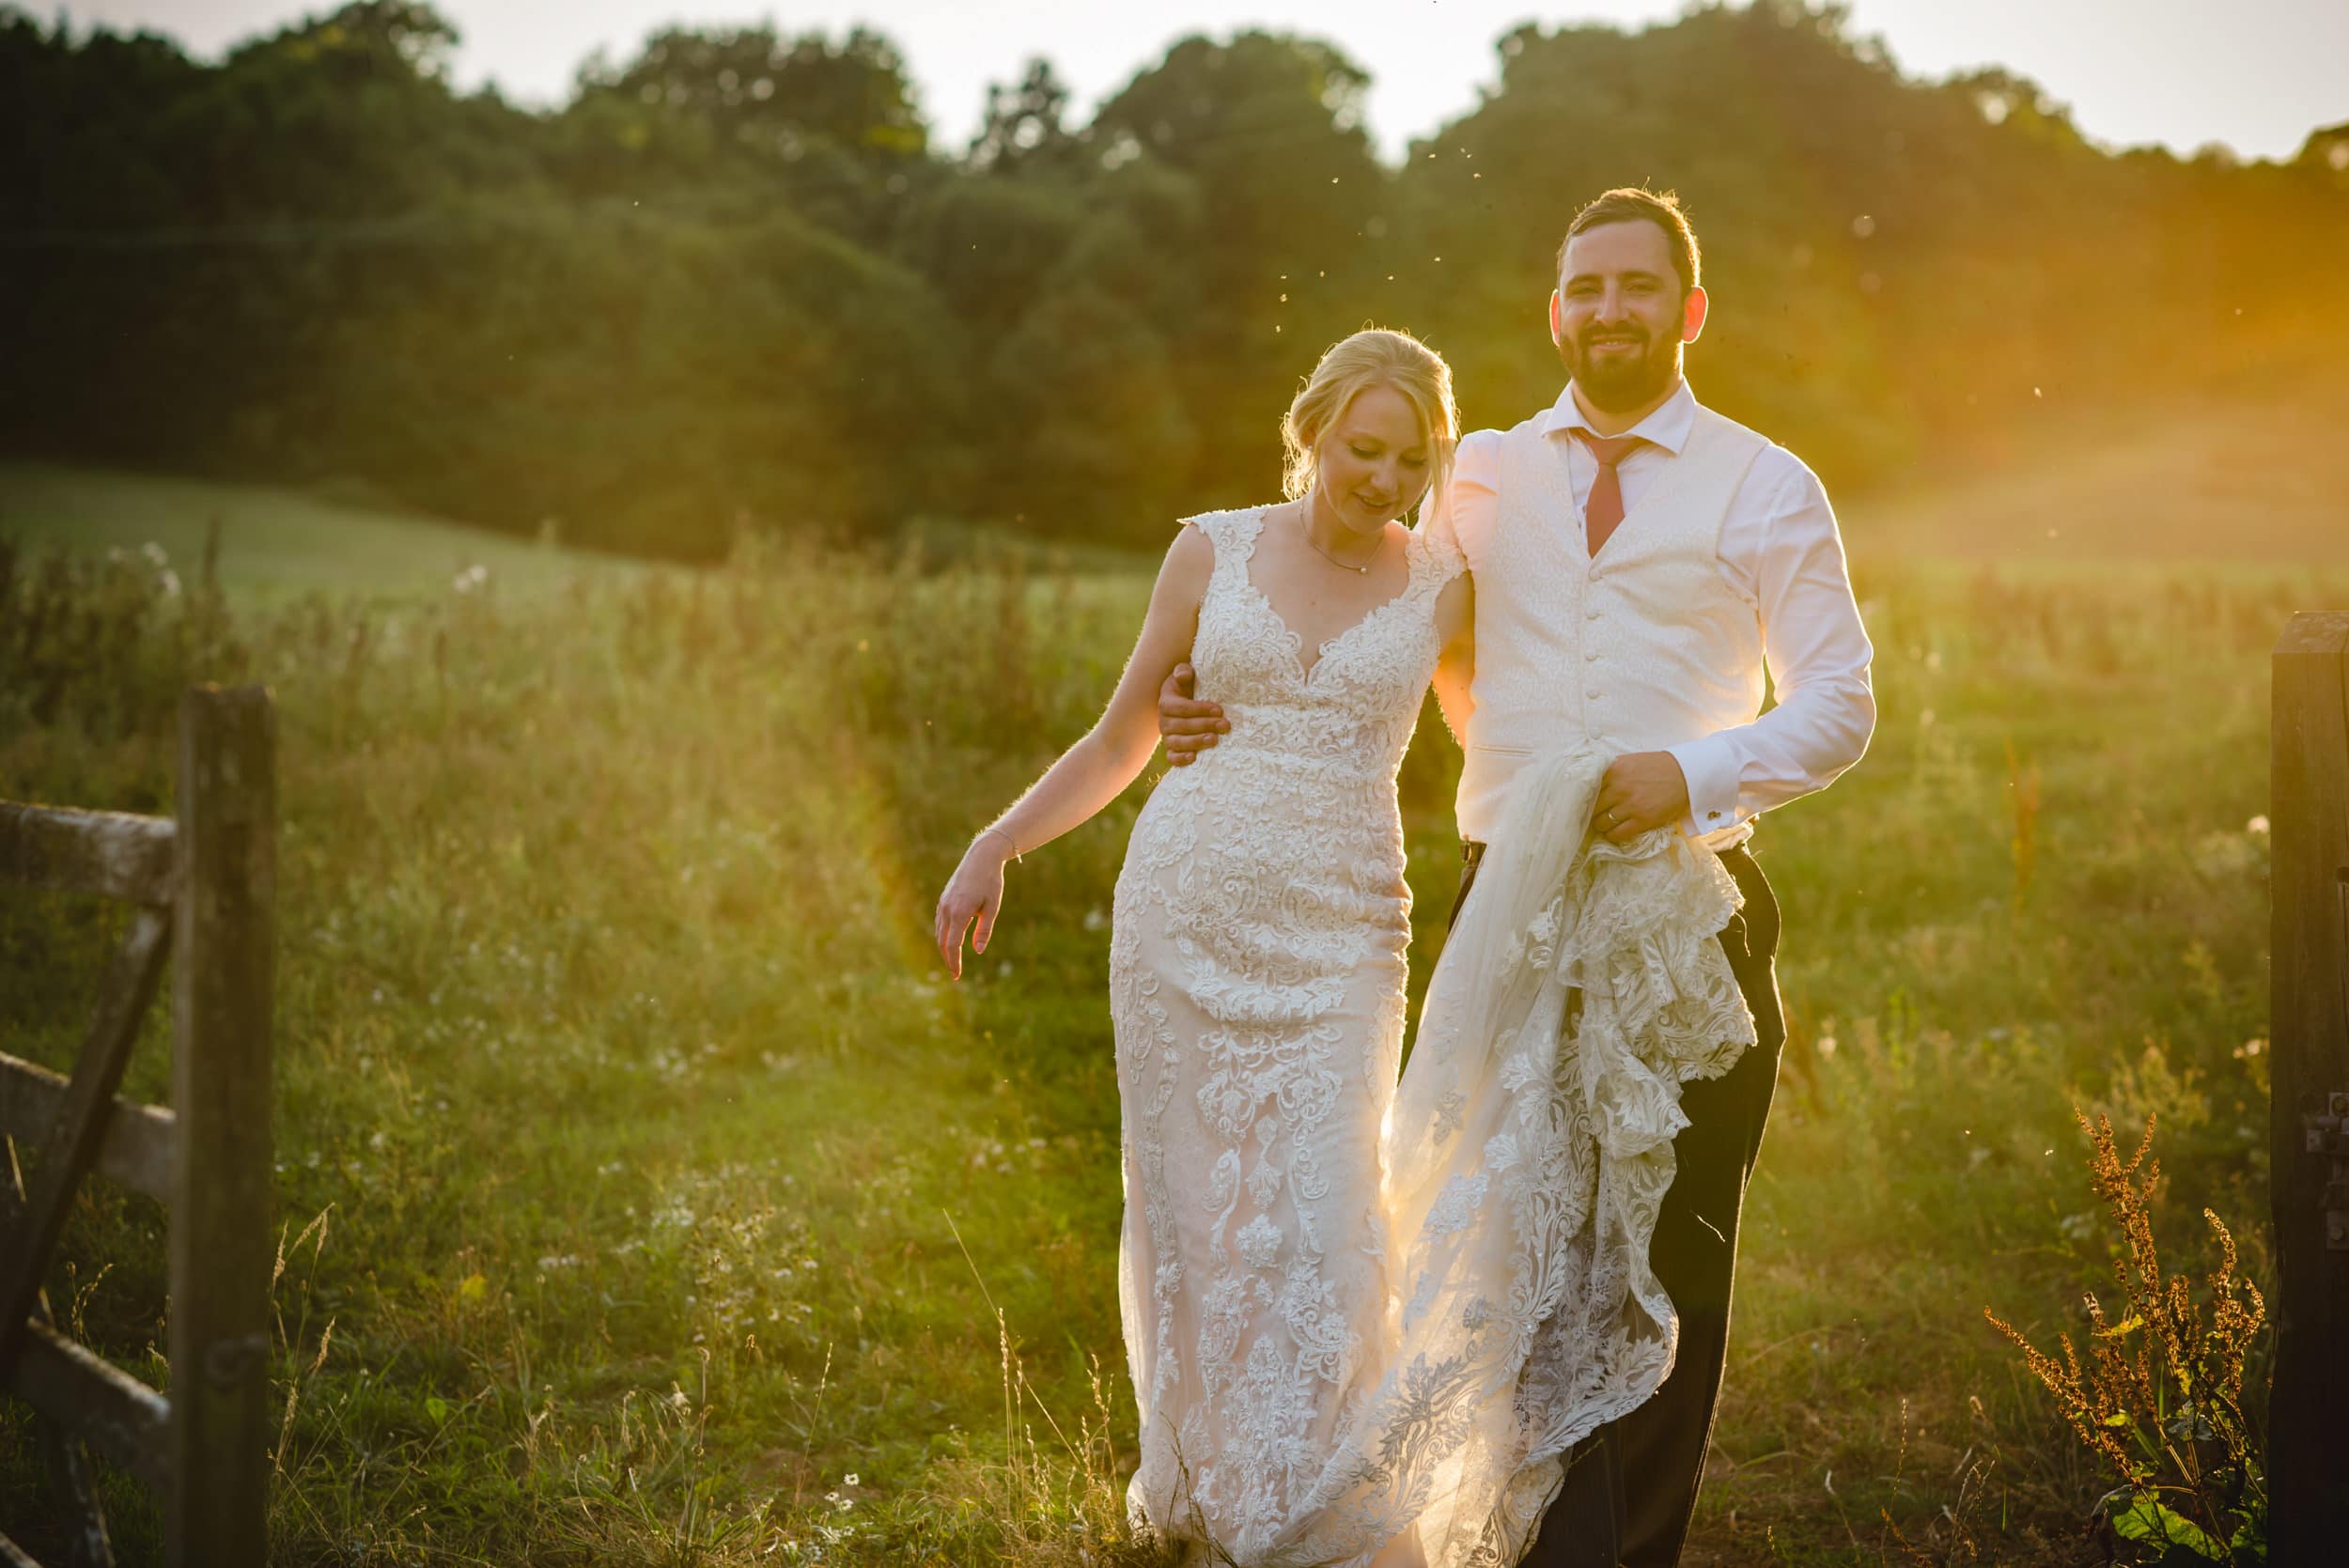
[[1641, 790]]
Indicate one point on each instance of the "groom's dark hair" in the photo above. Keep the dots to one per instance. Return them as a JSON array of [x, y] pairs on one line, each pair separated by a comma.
[[1636, 203]]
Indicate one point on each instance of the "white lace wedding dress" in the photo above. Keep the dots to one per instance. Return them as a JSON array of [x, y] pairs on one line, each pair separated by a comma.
[[1257, 986], [1312, 1391]]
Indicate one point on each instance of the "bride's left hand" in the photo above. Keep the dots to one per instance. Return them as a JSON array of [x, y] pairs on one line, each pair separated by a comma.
[[975, 892]]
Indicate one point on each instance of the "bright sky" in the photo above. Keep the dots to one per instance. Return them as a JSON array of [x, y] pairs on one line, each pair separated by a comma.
[[2255, 74]]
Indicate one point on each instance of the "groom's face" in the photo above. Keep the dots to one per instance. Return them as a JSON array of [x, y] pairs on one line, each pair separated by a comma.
[[1621, 314]]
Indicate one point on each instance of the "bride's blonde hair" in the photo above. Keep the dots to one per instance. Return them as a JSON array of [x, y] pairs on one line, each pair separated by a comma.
[[1375, 356]]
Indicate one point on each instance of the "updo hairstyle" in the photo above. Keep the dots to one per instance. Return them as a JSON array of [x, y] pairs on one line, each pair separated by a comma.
[[1375, 356]]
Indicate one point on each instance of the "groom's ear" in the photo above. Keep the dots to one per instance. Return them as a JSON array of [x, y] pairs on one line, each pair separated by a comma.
[[1557, 317], [1691, 314]]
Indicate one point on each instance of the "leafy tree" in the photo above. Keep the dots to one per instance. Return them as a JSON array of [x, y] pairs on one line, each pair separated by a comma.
[[1025, 127], [2325, 155], [1102, 447], [769, 99], [731, 280], [986, 245], [732, 118], [84, 148], [1268, 129], [345, 117]]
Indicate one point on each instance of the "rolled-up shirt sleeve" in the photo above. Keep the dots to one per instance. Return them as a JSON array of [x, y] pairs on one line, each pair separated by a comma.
[[1788, 556]]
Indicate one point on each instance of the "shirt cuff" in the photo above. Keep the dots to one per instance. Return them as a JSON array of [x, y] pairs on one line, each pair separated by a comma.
[[1710, 767]]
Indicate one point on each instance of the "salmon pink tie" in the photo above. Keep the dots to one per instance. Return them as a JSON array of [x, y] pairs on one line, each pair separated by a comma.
[[1605, 510]]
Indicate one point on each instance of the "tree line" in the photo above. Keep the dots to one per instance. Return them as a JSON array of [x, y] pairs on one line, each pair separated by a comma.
[[734, 281]]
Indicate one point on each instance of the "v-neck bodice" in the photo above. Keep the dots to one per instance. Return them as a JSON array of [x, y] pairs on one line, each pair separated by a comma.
[[1412, 563], [1357, 698]]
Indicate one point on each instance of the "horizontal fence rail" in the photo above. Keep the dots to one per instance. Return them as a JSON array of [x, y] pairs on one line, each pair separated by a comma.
[[135, 1149], [98, 1402], [109, 853]]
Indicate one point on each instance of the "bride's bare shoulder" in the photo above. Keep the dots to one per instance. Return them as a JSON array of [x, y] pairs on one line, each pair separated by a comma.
[[1189, 562]]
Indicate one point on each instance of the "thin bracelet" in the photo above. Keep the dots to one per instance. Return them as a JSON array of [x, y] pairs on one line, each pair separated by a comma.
[[997, 828]]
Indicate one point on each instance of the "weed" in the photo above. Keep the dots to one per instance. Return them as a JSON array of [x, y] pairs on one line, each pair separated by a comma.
[[2160, 1397]]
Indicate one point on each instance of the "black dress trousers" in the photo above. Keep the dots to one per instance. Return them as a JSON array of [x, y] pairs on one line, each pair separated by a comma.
[[1631, 1486]]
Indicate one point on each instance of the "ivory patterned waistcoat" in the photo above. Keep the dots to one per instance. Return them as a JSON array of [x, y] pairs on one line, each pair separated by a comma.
[[1645, 646]]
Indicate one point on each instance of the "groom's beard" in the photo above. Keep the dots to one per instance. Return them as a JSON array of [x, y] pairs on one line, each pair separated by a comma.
[[1616, 381]]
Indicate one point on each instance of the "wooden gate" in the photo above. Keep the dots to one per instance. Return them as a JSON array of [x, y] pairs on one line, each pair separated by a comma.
[[202, 884], [2308, 1143]]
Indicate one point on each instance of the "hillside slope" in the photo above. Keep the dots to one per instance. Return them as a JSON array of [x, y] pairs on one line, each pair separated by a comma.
[[272, 539], [2257, 484]]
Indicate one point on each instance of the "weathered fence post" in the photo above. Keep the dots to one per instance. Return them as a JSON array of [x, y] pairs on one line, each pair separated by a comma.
[[204, 884], [2309, 1172], [220, 1240]]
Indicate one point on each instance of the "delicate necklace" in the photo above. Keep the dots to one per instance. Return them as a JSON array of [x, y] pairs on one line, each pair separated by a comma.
[[1306, 529]]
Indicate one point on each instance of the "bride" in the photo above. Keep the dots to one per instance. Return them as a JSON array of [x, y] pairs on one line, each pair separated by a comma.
[[1256, 960], [1366, 1322]]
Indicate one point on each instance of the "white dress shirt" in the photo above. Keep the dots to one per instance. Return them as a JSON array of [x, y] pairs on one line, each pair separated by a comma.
[[1779, 551]]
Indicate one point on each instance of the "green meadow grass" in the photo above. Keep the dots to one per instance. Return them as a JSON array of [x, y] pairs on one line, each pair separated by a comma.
[[650, 1197], [273, 542]]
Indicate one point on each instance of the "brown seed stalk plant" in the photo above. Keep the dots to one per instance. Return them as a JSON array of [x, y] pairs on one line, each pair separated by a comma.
[[2160, 1398]]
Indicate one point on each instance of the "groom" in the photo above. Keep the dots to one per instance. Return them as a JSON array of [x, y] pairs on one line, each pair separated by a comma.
[[1640, 562]]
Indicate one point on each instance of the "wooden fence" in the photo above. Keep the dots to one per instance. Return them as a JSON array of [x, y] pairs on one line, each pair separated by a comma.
[[2309, 1170], [202, 885]]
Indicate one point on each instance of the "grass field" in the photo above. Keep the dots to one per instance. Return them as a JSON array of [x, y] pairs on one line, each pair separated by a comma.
[[661, 1199], [272, 542]]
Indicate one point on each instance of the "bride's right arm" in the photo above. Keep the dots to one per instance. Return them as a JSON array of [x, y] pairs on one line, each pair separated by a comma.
[[1094, 771]]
